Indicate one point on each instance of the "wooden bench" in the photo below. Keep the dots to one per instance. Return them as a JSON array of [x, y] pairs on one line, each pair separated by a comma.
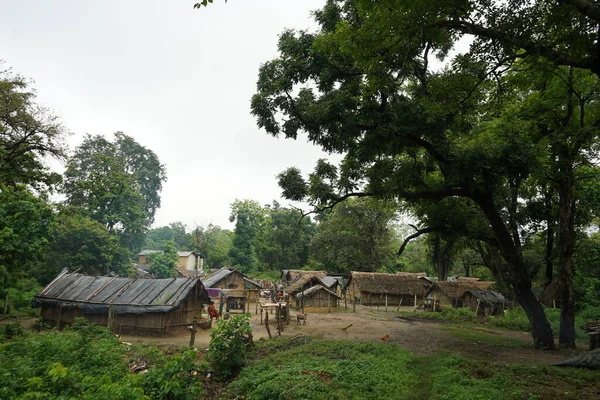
[[593, 330]]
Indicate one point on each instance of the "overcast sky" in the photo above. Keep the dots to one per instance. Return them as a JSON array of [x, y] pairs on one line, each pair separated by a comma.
[[176, 79]]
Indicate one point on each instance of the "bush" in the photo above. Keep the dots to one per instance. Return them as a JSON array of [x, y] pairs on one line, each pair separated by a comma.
[[174, 377], [463, 314], [516, 319], [229, 345], [513, 318]]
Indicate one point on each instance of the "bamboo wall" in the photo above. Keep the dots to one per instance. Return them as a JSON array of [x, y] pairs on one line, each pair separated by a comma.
[[320, 298]]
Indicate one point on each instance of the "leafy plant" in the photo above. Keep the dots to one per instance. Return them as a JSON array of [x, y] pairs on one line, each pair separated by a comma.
[[229, 345], [174, 377]]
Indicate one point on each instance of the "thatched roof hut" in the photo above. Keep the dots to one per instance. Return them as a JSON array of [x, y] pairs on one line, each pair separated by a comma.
[[484, 302], [304, 282], [372, 288], [550, 295], [150, 304], [233, 282], [450, 293], [290, 275]]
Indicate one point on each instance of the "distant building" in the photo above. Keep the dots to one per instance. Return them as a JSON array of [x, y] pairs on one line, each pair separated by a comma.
[[190, 264]]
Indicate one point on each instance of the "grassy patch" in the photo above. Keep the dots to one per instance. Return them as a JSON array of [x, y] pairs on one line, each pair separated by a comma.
[[486, 337], [349, 370]]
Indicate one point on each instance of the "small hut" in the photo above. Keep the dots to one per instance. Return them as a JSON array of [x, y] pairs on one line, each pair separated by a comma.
[[128, 303], [549, 296], [234, 285], [317, 296], [304, 282], [444, 294], [371, 288], [484, 302], [290, 275]]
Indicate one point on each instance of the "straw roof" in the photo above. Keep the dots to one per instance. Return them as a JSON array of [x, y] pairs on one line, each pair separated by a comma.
[[302, 281], [393, 284], [293, 274], [456, 289], [415, 274]]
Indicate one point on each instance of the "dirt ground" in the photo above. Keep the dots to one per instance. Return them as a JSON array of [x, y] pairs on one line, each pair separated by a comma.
[[369, 324]]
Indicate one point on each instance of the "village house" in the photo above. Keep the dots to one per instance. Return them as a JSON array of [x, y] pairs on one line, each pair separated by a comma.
[[484, 302], [122, 303], [370, 288], [188, 264], [444, 294], [235, 287], [317, 296]]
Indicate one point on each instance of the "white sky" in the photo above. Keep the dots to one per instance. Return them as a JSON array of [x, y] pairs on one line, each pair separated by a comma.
[[176, 79]]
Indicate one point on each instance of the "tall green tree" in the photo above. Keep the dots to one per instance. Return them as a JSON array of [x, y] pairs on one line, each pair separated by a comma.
[[357, 236], [249, 217], [156, 238], [79, 243], [284, 238], [363, 85], [29, 133], [117, 183]]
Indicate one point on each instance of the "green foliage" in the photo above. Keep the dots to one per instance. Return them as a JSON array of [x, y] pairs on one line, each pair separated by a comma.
[[79, 242], [461, 314], [28, 133], [516, 319], [174, 377], [25, 222], [162, 265], [215, 246], [334, 370], [20, 296], [10, 330], [117, 184], [357, 236], [249, 217], [229, 345], [157, 238]]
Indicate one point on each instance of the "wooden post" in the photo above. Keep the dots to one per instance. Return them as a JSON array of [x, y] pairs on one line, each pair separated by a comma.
[[477, 309], [109, 322], [345, 302], [261, 313], [193, 335], [328, 302], [399, 304], [6, 303], [256, 302], [353, 299], [287, 313], [386, 302], [415, 304], [59, 316], [267, 323], [302, 301], [553, 303], [278, 316]]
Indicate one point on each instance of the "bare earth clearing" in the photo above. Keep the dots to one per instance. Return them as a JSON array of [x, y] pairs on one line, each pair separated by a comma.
[[423, 337]]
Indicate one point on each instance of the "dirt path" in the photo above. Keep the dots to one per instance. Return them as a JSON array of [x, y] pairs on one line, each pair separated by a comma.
[[480, 342]]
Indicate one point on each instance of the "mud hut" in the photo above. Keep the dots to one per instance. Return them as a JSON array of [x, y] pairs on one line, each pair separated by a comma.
[[317, 296], [122, 303], [369, 288], [484, 302], [444, 294], [549, 296]]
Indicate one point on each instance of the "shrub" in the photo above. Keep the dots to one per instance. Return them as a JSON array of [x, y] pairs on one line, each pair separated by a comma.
[[229, 345], [463, 314], [174, 377]]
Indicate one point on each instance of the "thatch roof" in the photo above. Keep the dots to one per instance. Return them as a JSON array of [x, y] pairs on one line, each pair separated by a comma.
[[393, 284], [415, 274], [94, 294], [549, 296], [303, 281], [314, 289], [457, 289], [291, 275], [487, 296]]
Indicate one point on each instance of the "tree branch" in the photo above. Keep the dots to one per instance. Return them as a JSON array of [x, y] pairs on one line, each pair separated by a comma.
[[415, 235], [587, 8]]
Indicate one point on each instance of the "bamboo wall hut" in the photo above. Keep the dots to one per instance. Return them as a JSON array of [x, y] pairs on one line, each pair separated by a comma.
[[304, 282], [234, 283], [317, 296], [484, 302], [450, 293], [549, 296], [369, 288], [290, 275], [128, 303]]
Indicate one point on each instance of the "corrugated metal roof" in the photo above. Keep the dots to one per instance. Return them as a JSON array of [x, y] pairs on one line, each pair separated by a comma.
[[212, 280], [488, 296], [329, 281], [184, 253], [146, 252], [126, 294]]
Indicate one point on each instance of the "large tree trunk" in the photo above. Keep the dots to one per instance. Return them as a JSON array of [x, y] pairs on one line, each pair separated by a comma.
[[566, 246], [549, 276], [517, 275]]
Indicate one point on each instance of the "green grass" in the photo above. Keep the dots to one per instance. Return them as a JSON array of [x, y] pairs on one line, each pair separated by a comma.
[[474, 334], [301, 368]]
